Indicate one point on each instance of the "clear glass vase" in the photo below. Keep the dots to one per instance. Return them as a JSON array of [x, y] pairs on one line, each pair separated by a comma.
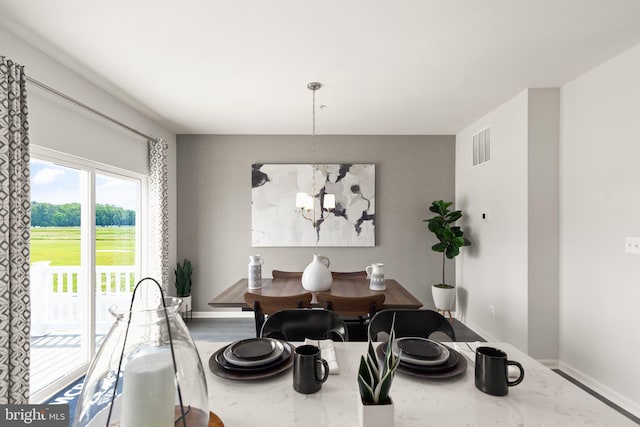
[[133, 380]]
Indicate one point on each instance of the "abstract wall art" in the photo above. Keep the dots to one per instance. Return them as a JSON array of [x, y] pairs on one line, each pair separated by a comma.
[[277, 222]]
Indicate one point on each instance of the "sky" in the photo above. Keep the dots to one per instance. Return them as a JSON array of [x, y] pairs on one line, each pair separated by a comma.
[[51, 183]]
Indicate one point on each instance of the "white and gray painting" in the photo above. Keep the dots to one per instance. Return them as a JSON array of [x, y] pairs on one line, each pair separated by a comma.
[[277, 222]]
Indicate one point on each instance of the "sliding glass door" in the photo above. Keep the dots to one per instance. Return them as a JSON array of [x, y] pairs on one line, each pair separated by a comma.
[[85, 257], [117, 254]]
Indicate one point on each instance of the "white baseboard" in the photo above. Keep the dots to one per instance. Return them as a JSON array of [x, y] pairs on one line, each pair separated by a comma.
[[478, 330], [550, 363], [236, 314], [605, 391]]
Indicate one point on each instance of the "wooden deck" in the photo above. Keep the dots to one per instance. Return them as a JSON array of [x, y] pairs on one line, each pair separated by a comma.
[[53, 356]]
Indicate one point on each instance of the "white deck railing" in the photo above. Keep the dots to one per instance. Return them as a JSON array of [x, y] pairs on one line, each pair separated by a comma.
[[55, 303]]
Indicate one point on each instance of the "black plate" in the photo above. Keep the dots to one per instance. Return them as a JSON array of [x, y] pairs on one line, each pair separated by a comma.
[[419, 348], [433, 369], [253, 348], [283, 364], [446, 370], [219, 358]]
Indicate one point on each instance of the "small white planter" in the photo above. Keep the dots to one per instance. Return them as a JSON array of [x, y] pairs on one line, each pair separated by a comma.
[[444, 298], [375, 415], [185, 308]]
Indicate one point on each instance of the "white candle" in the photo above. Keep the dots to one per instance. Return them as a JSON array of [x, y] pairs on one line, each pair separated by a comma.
[[148, 391]]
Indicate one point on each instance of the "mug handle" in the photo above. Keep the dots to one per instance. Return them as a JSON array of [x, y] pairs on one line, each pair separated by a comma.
[[368, 269], [325, 375], [520, 378]]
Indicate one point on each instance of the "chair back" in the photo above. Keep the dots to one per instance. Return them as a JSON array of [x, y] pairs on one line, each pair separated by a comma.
[[410, 323], [299, 324], [349, 274], [279, 274], [351, 306], [264, 305]]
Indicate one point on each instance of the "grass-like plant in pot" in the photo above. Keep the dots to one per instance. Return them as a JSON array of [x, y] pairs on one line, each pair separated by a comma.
[[450, 239], [183, 278], [374, 382]]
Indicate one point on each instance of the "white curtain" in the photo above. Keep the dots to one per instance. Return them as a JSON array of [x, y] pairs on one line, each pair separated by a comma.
[[15, 221], [159, 213]]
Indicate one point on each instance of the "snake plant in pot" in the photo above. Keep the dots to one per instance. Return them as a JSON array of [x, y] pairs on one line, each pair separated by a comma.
[[450, 240], [183, 283], [374, 382]]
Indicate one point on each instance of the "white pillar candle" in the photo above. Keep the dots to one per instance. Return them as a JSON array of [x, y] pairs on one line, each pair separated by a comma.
[[148, 391]]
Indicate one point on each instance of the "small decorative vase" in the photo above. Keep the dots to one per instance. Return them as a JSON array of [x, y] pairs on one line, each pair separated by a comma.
[[375, 415], [317, 277], [375, 273], [255, 272]]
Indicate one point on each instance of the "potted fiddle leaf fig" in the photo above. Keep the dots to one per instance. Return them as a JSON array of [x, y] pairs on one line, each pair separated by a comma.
[[183, 283], [375, 405], [450, 240]]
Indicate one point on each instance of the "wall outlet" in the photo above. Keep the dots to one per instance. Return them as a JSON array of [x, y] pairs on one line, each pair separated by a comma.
[[486, 215], [492, 309], [632, 245]]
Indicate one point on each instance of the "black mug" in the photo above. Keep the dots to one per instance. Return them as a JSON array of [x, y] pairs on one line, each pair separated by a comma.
[[491, 371], [307, 374]]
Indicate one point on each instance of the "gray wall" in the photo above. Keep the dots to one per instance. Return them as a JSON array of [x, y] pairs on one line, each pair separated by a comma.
[[512, 264], [599, 207], [214, 205]]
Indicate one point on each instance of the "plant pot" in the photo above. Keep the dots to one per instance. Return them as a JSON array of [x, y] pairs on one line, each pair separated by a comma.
[[444, 296], [186, 307], [375, 415]]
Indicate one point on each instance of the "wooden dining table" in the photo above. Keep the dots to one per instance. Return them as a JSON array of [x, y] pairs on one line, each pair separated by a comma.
[[396, 295]]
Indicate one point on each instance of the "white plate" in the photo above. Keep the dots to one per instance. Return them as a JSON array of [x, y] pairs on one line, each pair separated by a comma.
[[277, 352], [444, 355]]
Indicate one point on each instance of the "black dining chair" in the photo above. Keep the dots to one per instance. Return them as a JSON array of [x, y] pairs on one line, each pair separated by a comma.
[[299, 324], [263, 305], [410, 323]]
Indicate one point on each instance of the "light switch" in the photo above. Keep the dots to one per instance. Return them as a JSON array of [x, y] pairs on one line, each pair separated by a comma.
[[632, 245], [486, 216]]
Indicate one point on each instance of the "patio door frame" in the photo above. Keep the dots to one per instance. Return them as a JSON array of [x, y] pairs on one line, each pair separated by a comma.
[[88, 250]]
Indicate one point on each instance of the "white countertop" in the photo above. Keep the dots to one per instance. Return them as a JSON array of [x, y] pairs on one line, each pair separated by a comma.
[[543, 399]]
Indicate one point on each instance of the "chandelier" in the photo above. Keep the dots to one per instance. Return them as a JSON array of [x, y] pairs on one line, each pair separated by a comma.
[[304, 201]]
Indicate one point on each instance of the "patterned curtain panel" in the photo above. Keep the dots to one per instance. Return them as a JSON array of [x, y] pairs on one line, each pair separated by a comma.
[[15, 214], [159, 213]]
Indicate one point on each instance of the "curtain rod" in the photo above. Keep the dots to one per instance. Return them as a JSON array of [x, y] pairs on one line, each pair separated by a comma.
[[86, 107]]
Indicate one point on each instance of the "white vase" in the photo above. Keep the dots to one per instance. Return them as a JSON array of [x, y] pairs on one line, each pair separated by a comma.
[[317, 277], [444, 298], [375, 415]]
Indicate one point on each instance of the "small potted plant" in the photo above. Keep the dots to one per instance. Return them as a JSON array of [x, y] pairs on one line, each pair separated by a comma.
[[375, 408], [451, 239], [183, 284]]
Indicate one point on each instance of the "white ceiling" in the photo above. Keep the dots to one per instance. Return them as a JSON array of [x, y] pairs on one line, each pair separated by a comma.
[[388, 66]]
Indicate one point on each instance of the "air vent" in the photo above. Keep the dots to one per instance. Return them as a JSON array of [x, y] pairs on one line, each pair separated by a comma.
[[482, 147]]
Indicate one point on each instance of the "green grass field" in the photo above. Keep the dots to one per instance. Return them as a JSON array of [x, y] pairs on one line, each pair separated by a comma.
[[61, 245]]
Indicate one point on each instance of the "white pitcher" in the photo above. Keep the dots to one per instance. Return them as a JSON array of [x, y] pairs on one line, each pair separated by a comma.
[[317, 277], [255, 272], [375, 273]]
